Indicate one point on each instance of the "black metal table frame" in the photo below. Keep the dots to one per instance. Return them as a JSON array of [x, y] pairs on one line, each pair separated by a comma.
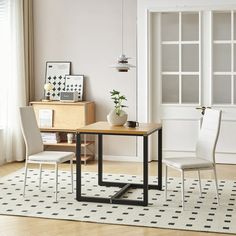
[[124, 186]]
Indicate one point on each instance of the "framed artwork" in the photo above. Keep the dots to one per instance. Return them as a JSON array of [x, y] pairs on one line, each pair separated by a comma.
[[75, 83], [56, 72]]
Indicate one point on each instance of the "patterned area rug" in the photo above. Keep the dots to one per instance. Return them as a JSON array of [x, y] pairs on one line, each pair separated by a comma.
[[201, 213]]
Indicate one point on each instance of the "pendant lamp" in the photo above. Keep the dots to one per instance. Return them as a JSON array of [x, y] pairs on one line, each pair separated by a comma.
[[122, 64]]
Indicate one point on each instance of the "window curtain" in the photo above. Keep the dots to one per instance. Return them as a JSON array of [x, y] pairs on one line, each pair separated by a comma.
[[28, 48], [15, 74]]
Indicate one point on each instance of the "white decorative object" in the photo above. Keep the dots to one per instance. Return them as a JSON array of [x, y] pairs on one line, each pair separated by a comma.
[[70, 137], [47, 87], [122, 64], [117, 120]]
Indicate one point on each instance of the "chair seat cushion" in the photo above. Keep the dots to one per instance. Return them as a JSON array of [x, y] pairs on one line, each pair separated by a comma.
[[188, 162], [51, 156]]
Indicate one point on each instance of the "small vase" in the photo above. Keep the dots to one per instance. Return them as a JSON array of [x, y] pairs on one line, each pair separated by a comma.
[[117, 120]]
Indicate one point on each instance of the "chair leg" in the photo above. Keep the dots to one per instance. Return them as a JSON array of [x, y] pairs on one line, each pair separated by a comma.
[[166, 173], [182, 175], [200, 184], [216, 184], [40, 175], [71, 167], [56, 177], [26, 170]]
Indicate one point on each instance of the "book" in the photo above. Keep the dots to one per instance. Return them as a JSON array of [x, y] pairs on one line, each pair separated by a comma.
[[51, 141], [48, 137], [45, 118]]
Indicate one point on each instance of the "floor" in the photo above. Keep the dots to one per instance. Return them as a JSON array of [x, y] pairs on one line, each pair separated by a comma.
[[19, 226]]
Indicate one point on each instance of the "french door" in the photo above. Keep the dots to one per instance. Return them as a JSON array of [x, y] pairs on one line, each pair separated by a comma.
[[193, 64]]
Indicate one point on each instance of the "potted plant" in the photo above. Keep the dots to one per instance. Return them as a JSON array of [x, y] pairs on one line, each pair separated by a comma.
[[117, 116]]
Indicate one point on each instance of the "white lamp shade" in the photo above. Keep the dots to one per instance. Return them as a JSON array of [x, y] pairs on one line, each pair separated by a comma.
[[122, 67], [122, 64]]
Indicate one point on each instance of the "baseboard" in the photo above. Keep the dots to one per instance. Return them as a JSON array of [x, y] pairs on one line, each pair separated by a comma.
[[226, 158], [221, 157], [120, 158]]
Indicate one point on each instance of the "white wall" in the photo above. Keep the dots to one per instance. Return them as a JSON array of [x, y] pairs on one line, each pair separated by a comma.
[[88, 33]]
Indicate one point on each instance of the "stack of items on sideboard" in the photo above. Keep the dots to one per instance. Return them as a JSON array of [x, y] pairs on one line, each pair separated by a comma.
[[49, 137]]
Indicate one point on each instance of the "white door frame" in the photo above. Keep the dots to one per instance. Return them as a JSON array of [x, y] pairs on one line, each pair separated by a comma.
[[144, 65]]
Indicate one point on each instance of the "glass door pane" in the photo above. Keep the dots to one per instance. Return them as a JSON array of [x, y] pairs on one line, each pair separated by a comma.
[[234, 26], [190, 26], [221, 26], [170, 58], [234, 57], [222, 89], [170, 89], [190, 57], [190, 89], [170, 26], [222, 57], [180, 57], [234, 90]]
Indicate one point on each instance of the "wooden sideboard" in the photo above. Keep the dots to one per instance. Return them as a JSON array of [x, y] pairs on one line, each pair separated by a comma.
[[67, 117]]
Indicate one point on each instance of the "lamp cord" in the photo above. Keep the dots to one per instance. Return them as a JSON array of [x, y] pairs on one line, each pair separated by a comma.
[[122, 26]]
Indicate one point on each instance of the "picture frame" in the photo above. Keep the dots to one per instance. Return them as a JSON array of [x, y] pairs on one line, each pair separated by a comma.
[[45, 118], [55, 75], [75, 83]]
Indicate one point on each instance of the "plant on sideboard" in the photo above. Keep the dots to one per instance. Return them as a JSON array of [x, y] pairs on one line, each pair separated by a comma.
[[117, 116]]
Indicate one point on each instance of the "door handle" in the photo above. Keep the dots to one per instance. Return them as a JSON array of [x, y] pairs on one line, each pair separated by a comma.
[[203, 108]]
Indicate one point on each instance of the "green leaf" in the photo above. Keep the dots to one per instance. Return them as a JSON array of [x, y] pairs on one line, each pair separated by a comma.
[[118, 100], [114, 92]]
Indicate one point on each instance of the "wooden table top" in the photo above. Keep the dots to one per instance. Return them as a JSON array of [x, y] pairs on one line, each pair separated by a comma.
[[103, 127]]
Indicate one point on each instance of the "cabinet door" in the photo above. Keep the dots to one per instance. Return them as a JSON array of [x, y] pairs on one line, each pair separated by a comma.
[[65, 116]]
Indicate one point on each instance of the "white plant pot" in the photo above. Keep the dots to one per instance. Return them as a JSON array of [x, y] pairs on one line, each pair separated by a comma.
[[115, 120]]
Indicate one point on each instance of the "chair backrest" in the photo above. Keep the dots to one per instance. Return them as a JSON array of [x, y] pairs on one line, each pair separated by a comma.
[[208, 135], [30, 131]]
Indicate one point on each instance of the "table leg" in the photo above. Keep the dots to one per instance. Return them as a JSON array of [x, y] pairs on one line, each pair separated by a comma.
[[160, 159], [145, 170], [116, 198], [78, 166], [100, 159]]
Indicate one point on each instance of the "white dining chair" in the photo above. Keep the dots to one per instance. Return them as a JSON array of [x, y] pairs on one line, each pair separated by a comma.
[[205, 152], [34, 148]]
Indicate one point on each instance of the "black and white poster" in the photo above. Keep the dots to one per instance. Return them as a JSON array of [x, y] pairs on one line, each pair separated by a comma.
[[55, 75], [75, 83]]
